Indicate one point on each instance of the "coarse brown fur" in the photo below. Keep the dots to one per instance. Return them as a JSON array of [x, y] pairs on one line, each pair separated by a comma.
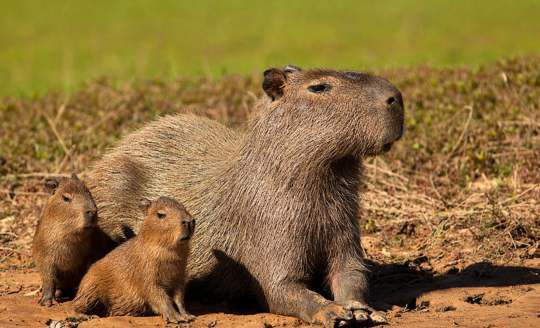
[[277, 207], [67, 239], [147, 272]]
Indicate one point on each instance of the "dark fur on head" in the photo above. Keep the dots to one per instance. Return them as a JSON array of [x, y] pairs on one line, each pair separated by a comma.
[[276, 206]]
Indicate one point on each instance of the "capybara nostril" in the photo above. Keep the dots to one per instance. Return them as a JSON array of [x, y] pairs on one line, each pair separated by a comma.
[[189, 223], [394, 101]]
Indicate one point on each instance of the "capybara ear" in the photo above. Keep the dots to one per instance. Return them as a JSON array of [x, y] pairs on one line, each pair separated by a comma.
[[144, 205], [291, 69], [51, 184], [74, 176], [274, 80]]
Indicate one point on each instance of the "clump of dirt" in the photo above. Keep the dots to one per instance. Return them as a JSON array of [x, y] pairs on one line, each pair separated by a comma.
[[474, 299], [445, 308], [487, 300]]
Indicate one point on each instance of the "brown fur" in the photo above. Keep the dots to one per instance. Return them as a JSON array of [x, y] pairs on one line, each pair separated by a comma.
[[277, 207], [67, 239], [146, 273]]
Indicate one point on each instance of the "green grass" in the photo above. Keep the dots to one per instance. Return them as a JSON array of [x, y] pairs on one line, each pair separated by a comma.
[[59, 44]]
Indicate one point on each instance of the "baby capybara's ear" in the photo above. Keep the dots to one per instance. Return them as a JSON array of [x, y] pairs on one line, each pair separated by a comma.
[[51, 184], [75, 177], [273, 83], [144, 205]]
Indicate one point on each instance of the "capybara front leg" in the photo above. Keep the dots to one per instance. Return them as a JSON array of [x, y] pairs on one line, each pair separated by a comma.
[[179, 301], [162, 303], [349, 288], [296, 300], [48, 289]]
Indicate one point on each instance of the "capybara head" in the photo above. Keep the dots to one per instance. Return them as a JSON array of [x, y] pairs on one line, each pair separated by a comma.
[[71, 204], [349, 113], [168, 219]]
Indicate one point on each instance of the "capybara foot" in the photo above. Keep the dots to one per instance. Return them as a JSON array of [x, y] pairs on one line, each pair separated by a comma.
[[333, 315], [186, 318], [363, 313], [46, 300], [178, 318]]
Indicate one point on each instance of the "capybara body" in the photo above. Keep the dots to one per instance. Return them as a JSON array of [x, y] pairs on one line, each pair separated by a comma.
[[67, 238], [277, 206], [146, 273]]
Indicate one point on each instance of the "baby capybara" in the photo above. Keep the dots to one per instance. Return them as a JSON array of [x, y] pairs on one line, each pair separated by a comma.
[[67, 238], [146, 273]]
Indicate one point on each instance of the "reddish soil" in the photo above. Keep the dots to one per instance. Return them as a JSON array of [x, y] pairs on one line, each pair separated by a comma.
[[479, 296]]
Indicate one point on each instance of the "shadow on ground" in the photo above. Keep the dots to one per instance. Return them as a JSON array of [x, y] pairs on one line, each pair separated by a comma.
[[404, 284]]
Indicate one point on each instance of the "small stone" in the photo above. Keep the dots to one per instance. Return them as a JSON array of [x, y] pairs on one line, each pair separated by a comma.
[[445, 308]]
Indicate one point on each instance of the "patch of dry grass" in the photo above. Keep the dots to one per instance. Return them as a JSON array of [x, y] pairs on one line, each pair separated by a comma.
[[462, 186]]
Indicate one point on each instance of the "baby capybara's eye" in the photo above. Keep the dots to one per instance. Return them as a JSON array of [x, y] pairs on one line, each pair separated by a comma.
[[318, 88], [161, 215], [66, 198]]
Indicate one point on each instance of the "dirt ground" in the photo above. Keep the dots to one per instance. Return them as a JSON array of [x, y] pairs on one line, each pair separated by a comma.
[[480, 296]]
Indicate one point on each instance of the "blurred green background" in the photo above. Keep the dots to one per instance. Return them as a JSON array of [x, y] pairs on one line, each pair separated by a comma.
[[58, 44]]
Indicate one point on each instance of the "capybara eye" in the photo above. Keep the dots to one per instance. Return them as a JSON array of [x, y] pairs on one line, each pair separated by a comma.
[[318, 88], [66, 198], [161, 215]]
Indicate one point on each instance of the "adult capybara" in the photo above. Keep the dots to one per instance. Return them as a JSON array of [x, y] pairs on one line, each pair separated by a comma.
[[277, 206], [67, 239], [146, 273]]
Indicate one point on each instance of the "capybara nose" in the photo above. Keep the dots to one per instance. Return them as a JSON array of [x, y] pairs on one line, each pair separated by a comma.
[[90, 216], [189, 223], [394, 101]]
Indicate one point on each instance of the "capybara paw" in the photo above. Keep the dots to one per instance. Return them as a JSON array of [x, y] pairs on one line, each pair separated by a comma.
[[46, 301], [184, 318], [333, 315], [365, 314], [179, 318]]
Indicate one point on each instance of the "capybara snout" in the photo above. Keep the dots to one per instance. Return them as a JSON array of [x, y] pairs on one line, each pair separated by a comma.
[[188, 227], [384, 115], [90, 217]]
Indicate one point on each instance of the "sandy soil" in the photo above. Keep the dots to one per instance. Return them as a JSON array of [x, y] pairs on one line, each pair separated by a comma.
[[478, 296]]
